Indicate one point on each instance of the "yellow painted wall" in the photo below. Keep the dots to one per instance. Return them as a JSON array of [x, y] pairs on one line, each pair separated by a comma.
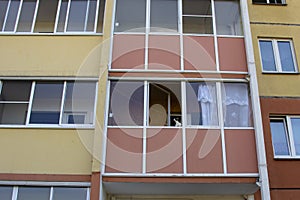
[[46, 151], [276, 84]]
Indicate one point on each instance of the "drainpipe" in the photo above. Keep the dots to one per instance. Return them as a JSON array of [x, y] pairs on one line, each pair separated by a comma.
[[259, 135]]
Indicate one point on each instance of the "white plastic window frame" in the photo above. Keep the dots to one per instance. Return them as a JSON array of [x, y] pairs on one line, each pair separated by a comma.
[[289, 136], [61, 116], [276, 54], [15, 187], [56, 20]]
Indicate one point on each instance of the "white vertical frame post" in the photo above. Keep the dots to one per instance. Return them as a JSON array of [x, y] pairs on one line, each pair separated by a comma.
[[145, 123], [219, 86], [180, 29], [183, 123], [15, 193], [95, 104], [86, 15], [62, 105], [51, 193], [57, 15], [259, 135], [30, 102], [290, 135], [213, 12], [18, 16], [67, 16], [147, 31], [96, 16], [112, 34], [35, 15]]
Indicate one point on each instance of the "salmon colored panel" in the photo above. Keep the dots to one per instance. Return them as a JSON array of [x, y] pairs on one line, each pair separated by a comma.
[[164, 150], [164, 52], [204, 151], [199, 53], [241, 151], [128, 52], [232, 54], [124, 150]]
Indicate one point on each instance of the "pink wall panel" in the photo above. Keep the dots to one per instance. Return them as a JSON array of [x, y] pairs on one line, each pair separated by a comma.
[[124, 150], [128, 52], [164, 52], [232, 54], [241, 151], [199, 53], [164, 150], [204, 151]]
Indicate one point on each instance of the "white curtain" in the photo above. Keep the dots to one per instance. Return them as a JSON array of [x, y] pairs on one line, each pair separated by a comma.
[[235, 104], [207, 98]]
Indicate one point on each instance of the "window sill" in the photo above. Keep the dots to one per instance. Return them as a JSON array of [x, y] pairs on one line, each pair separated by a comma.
[[281, 73], [286, 157], [270, 4], [47, 126]]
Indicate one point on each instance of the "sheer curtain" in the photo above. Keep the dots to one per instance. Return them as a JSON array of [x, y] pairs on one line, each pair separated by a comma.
[[235, 104], [208, 101]]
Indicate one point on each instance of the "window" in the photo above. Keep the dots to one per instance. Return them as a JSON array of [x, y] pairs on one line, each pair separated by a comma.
[[44, 16], [285, 136], [43, 193], [269, 1], [166, 15], [236, 108], [277, 55], [47, 102], [127, 103]]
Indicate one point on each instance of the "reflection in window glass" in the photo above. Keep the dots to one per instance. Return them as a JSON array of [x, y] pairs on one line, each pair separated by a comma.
[[12, 15], [164, 16], [3, 8], [200, 25], [77, 15], [90, 23], [26, 16], [286, 56], [126, 104], [228, 17], [79, 103], [45, 20], [196, 7], [6, 192], [279, 137], [61, 193], [130, 16], [201, 104], [236, 106], [296, 133], [267, 55], [33, 193], [46, 103]]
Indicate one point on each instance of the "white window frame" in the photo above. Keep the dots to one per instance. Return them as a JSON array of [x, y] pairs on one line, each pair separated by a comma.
[[268, 2], [62, 113], [2, 31], [289, 136], [51, 185], [276, 54]]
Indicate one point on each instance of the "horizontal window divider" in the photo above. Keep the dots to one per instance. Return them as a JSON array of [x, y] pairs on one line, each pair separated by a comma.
[[277, 72], [164, 33], [42, 183], [15, 102], [129, 33], [181, 175], [198, 34], [231, 36], [46, 126], [287, 157], [208, 16], [50, 78], [202, 127], [239, 128], [50, 34]]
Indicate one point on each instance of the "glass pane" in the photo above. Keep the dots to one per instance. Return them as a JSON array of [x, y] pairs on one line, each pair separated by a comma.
[[126, 104], [79, 103], [296, 134], [130, 16], [164, 104], [13, 113], [6, 192], [91, 15], [201, 102], [201, 25], [12, 15], [60, 193], [279, 137], [196, 7], [100, 16], [3, 9], [164, 16], [62, 16], [267, 55], [286, 56], [26, 16], [228, 17], [46, 103], [236, 109], [15, 91], [46, 16], [77, 15], [33, 193]]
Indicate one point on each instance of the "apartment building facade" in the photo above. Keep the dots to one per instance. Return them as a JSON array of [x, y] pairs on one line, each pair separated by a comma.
[[275, 33], [129, 99]]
